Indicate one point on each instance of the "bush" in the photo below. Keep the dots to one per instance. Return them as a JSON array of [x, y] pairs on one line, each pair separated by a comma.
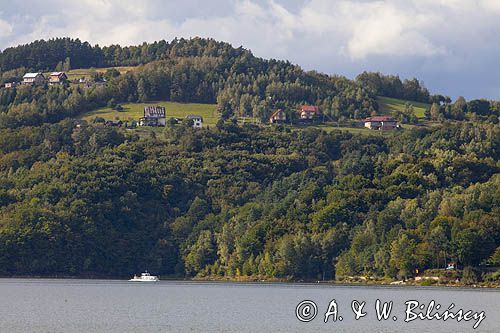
[[493, 119], [469, 276], [428, 282], [443, 273], [492, 276], [112, 103]]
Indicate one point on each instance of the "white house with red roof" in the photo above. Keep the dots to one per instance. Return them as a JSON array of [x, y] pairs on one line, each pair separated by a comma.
[[381, 123], [309, 112]]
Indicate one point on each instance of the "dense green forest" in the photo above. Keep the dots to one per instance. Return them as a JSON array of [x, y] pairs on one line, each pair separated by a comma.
[[232, 200], [229, 201]]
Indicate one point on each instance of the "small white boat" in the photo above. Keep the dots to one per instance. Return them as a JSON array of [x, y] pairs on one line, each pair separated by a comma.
[[145, 277]]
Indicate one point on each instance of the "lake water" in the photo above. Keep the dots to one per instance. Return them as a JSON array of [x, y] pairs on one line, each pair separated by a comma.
[[118, 306]]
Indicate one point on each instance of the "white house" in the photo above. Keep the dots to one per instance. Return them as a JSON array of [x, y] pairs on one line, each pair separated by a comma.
[[153, 116], [381, 123], [197, 121], [33, 78]]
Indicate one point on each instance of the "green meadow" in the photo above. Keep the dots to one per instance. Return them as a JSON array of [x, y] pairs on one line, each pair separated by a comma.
[[134, 111], [389, 106], [328, 127], [86, 73]]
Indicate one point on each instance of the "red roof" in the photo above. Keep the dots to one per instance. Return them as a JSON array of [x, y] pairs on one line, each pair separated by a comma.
[[310, 108], [380, 118]]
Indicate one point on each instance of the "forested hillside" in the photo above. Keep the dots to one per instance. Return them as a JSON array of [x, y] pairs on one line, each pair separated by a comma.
[[241, 201], [202, 71], [229, 201], [197, 70]]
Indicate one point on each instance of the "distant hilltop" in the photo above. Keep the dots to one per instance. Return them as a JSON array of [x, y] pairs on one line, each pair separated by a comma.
[[211, 72]]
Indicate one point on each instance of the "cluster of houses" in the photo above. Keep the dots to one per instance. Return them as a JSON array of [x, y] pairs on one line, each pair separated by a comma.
[[54, 78], [156, 115], [310, 113], [306, 113], [38, 79]]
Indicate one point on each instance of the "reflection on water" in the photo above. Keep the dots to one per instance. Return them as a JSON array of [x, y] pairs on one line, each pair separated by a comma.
[[116, 306]]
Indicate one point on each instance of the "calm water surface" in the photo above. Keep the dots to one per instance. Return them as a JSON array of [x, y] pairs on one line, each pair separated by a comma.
[[116, 306]]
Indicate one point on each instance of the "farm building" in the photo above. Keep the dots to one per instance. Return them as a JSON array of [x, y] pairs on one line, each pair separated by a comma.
[[153, 116], [381, 123], [11, 84], [58, 78], [80, 123], [451, 266], [33, 78], [278, 117], [114, 123], [197, 121], [309, 112]]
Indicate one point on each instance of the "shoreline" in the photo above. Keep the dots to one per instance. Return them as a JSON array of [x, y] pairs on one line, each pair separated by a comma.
[[385, 283], [247, 280]]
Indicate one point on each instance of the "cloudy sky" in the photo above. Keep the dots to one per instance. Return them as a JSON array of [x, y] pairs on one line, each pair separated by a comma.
[[453, 46]]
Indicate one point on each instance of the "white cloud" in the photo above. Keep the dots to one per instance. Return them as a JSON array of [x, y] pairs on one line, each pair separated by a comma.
[[249, 8], [5, 29], [492, 5], [430, 39], [384, 29], [361, 28]]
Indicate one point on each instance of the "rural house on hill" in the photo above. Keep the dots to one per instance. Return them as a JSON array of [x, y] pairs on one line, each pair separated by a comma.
[[309, 112], [33, 78], [153, 116], [11, 84], [58, 78], [278, 117], [197, 121], [381, 123]]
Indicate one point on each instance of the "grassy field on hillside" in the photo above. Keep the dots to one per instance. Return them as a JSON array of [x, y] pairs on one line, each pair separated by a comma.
[[134, 111], [76, 74], [328, 127], [331, 126], [389, 105]]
